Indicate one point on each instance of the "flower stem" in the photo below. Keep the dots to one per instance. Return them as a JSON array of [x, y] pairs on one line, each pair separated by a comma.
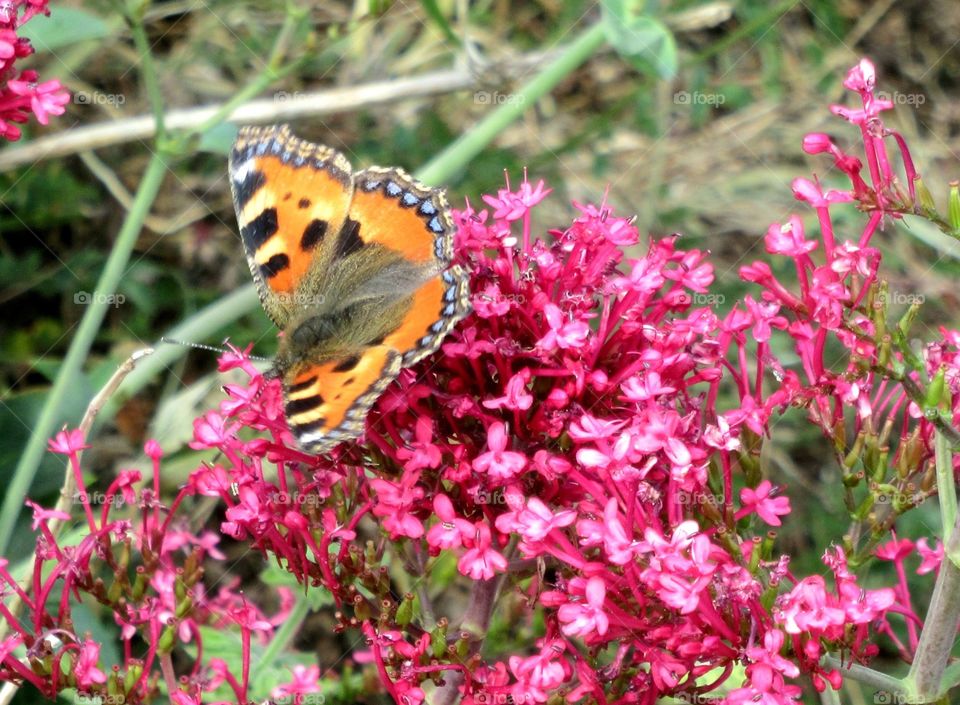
[[946, 491], [939, 628], [151, 80], [283, 636], [475, 623], [273, 71]]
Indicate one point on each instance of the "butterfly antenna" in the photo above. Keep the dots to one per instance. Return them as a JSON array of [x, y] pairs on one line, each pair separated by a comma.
[[202, 346]]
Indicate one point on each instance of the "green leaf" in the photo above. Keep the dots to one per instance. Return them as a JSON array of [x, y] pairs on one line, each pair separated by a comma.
[[64, 26], [642, 40]]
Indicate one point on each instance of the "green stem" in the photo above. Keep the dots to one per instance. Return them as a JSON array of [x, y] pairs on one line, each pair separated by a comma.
[[946, 489], [283, 636], [458, 154], [151, 81], [762, 21], [273, 71], [925, 680], [866, 676], [72, 367]]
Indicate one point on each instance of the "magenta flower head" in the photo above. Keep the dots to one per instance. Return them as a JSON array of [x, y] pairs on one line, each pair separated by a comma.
[[571, 420]]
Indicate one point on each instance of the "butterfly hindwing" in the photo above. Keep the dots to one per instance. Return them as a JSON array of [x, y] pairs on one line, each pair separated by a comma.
[[397, 212], [327, 403], [290, 196]]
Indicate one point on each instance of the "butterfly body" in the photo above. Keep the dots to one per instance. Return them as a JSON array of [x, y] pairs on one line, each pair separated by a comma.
[[355, 268]]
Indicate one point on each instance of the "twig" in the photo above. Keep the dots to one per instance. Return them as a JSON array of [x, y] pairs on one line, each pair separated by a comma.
[[474, 626], [93, 408], [282, 106], [160, 226], [939, 628]]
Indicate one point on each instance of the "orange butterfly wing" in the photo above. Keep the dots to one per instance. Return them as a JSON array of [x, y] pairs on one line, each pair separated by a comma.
[[289, 195]]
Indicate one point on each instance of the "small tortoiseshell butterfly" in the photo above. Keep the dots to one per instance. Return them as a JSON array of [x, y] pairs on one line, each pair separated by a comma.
[[355, 268]]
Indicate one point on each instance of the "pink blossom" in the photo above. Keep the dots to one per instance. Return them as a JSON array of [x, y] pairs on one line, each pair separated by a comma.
[[586, 618], [85, 670], [421, 453], [932, 557], [563, 334], [534, 522], [451, 530], [394, 504], [762, 502], [68, 442], [498, 462], [481, 561], [516, 397], [306, 680], [513, 206]]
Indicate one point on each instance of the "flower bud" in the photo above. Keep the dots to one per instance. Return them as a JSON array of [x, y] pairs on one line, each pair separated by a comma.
[[924, 197], [817, 142], [407, 609]]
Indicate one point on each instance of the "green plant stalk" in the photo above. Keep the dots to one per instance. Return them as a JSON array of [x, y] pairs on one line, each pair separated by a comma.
[[203, 324], [763, 21], [458, 154], [863, 674], [283, 636], [951, 676], [72, 366], [149, 72], [273, 71], [925, 682], [946, 491]]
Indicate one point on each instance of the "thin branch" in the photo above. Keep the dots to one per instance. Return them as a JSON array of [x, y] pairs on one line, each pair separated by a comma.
[[158, 225], [93, 408], [69, 485], [282, 106]]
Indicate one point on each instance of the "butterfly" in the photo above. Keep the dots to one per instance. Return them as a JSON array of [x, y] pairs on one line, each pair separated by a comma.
[[354, 267]]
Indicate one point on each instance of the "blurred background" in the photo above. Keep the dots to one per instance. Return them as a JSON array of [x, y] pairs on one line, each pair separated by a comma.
[[699, 134]]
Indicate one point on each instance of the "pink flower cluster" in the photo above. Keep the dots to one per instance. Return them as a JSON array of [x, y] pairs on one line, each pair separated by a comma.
[[583, 450], [20, 93], [148, 572]]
